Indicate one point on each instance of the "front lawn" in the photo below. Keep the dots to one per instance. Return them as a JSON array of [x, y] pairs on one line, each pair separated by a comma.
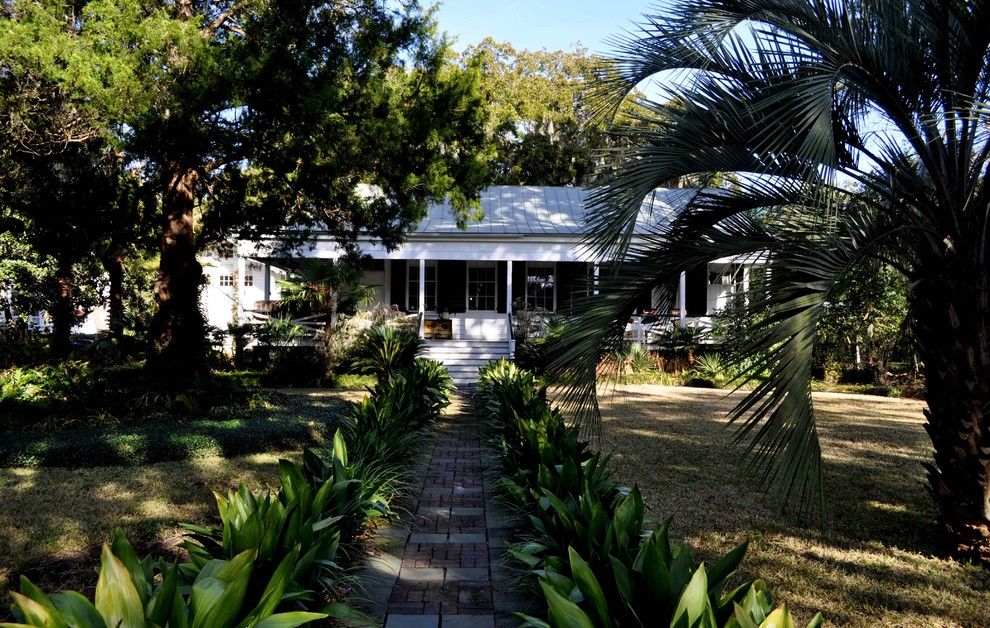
[[53, 520], [56, 512], [873, 562]]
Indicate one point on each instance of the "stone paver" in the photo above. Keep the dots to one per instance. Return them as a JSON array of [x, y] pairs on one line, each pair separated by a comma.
[[445, 577]]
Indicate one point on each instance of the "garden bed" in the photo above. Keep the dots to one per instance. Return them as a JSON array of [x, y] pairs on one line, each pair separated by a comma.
[[873, 562]]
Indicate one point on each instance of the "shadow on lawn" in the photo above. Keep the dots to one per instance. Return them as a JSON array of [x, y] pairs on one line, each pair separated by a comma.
[[54, 519], [872, 557]]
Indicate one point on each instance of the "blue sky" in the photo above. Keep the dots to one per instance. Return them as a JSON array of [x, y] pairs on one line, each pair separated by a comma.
[[536, 24]]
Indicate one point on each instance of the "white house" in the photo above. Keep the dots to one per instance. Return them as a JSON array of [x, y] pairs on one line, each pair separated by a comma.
[[462, 283]]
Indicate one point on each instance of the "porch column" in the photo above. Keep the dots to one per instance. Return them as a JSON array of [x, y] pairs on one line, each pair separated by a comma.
[[422, 294], [508, 287], [595, 289], [239, 288], [508, 307], [682, 299], [268, 282], [388, 283]]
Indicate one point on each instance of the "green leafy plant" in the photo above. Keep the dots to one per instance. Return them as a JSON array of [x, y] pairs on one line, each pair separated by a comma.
[[384, 349], [587, 540], [135, 593]]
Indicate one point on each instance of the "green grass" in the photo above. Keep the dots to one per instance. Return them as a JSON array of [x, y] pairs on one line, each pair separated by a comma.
[[353, 381], [871, 562], [287, 422]]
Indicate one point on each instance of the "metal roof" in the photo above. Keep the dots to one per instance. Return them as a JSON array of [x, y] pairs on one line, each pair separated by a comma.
[[543, 210]]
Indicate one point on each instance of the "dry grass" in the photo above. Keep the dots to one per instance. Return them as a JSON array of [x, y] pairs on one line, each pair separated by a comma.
[[53, 520], [872, 563]]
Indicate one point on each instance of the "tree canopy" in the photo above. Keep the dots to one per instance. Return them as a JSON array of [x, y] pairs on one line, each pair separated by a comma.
[[543, 118], [245, 117]]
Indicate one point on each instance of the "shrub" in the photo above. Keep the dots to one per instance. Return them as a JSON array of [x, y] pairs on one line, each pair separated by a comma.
[[383, 350], [76, 391], [270, 549], [129, 593], [161, 441], [587, 543], [386, 424]]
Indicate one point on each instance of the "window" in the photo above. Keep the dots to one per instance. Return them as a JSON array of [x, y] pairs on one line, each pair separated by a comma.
[[540, 280], [481, 286], [412, 293], [248, 280], [226, 280]]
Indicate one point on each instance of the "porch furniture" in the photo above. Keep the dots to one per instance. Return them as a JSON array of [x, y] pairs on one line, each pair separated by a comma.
[[438, 329]]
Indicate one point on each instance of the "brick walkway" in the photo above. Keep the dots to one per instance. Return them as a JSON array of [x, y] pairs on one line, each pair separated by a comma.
[[445, 580]]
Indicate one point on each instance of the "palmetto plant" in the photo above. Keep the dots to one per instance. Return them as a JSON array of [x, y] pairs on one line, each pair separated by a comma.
[[326, 286], [383, 349], [801, 101]]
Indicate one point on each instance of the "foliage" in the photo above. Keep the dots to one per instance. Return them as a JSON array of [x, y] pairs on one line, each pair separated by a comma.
[[129, 593], [541, 116], [80, 391], [164, 440], [272, 550], [864, 321], [385, 425], [596, 562], [851, 131], [324, 286], [346, 340], [711, 368], [543, 112], [330, 497], [326, 99], [383, 350], [535, 329]]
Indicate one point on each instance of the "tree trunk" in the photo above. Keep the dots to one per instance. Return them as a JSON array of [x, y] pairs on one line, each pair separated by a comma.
[[114, 265], [952, 312], [63, 314], [178, 331]]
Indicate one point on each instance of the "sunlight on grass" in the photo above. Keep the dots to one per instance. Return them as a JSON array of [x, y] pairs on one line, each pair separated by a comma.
[[871, 562]]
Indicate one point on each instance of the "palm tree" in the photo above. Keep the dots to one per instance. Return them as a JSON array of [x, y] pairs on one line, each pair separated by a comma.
[[326, 286], [851, 130]]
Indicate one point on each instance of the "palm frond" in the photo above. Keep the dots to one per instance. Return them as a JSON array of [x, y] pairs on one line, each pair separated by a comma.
[[799, 101]]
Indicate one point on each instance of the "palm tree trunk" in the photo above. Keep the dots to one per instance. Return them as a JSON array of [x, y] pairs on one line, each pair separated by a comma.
[[952, 331], [178, 330], [63, 314]]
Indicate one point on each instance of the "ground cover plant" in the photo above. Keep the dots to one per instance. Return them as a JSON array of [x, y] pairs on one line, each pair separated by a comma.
[[270, 423], [597, 560], [276, 549], [872, 557], [84, 391]]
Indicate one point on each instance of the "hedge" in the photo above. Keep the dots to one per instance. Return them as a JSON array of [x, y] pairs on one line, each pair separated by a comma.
[[163, 441]]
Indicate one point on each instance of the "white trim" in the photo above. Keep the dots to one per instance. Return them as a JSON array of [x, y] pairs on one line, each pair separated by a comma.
[[409, 267], [682, 298], [508, 287]]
